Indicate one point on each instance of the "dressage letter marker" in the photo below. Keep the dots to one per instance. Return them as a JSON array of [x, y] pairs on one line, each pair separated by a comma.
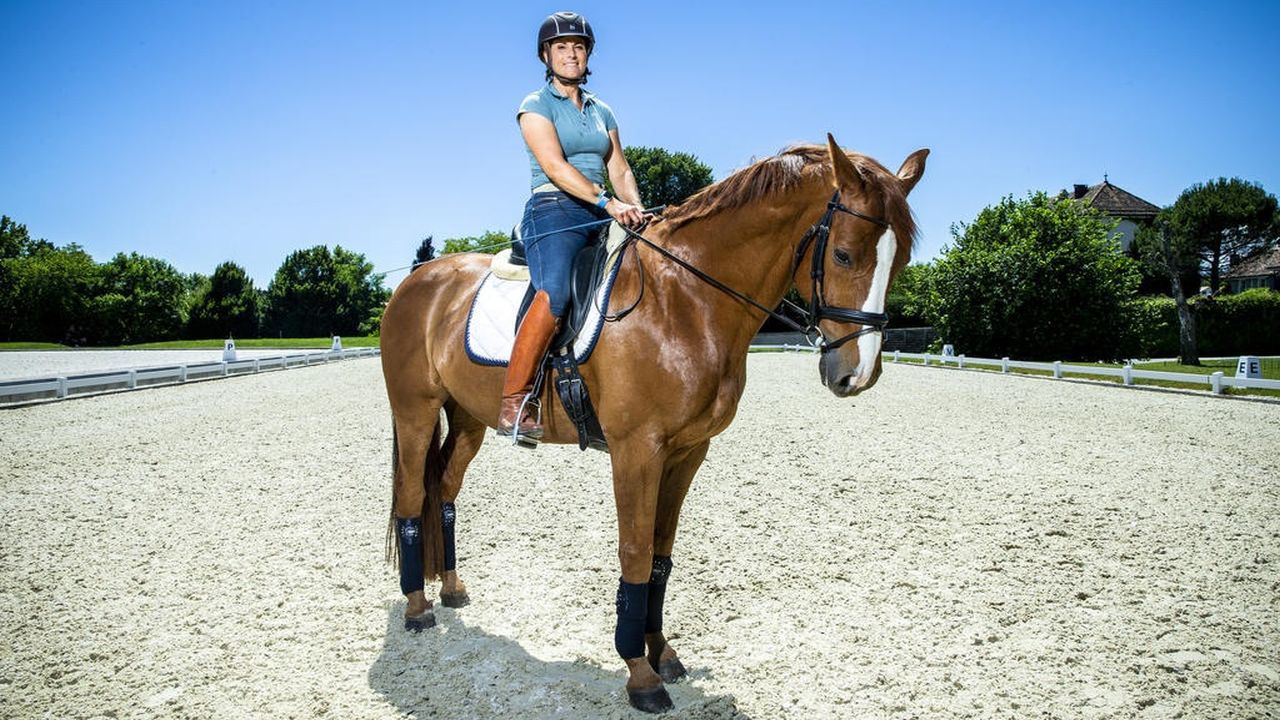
[[229, 351], [1249, 367]]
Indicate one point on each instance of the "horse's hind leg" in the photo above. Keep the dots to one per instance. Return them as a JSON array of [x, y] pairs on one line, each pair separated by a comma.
[[676, 478], [417, 464], [466, 434]]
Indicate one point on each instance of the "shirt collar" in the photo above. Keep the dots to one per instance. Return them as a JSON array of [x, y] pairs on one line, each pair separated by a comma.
[[587, 95]]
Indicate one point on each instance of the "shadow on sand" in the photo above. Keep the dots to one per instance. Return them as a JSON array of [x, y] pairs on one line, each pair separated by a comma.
[[454, 670]]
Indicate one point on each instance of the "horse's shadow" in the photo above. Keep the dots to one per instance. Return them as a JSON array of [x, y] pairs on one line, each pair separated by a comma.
[[455, 670]]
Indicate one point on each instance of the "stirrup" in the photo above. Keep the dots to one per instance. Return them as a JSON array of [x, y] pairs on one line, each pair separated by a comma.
[[518, 439]]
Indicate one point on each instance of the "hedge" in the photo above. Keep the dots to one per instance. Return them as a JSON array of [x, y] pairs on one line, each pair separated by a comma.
[[1246, 323]]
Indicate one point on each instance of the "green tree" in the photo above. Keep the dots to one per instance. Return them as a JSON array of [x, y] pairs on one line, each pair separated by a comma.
[[664, 177], [1034, 278], [490, 241], [46, 292], [14, 239], [228, 306], [1223, 217], [1163, 250], [907, 300], [138, 299], [317, 292]]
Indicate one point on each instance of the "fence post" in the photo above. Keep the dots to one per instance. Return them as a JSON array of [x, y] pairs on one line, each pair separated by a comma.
[[926, 359], [224, 369], [1057, 369], [133, 379], [961, 361], [895, 356], [1215, 381], [256, 367], [1004, 365], [62, 387], [1127, 373]]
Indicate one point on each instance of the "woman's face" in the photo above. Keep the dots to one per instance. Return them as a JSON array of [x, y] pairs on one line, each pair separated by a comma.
[[567, 56]]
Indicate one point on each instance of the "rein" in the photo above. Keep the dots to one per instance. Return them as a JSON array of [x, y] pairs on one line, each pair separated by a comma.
[[818, 308]]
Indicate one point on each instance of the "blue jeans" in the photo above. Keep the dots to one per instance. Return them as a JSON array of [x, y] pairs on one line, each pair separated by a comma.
[[550, 246]]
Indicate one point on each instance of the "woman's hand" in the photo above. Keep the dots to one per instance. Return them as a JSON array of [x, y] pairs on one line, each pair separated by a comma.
[[625, 213]]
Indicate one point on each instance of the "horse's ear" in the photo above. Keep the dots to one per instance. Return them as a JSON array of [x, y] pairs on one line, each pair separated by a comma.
[[845, 173], [911, 170]]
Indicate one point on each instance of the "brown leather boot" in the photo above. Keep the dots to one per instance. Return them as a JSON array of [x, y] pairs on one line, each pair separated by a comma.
[[535, 333]]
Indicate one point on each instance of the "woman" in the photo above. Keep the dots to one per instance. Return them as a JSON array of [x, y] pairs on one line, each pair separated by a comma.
[[572, 139]]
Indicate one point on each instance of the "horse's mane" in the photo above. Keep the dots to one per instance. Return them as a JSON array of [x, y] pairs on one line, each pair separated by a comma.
[[786, 170]]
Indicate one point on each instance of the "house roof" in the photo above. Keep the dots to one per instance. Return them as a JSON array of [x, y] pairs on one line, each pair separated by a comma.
[[1266, 262], [1117, 202]]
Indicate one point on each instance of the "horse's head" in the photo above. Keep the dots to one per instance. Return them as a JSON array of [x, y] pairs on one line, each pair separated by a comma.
[[870, 238]]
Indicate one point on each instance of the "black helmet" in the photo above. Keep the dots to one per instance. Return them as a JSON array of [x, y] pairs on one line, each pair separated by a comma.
[[565, 24]]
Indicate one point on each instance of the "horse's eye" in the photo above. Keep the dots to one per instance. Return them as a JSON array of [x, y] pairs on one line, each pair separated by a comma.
[[842, 257]]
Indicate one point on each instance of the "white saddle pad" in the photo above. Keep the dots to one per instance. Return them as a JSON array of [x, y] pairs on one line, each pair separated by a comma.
[[491, 323]]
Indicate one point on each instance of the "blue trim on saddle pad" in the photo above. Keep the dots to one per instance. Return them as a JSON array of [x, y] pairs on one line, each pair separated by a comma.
[[600, 299]]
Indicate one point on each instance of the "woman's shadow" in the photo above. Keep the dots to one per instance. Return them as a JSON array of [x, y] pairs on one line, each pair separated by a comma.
[[454, 670]]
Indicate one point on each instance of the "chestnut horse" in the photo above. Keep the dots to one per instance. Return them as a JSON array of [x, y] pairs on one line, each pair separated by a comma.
[[759, 232]]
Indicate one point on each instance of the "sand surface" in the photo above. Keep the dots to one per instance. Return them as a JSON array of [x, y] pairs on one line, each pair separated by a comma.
[[952, 544]]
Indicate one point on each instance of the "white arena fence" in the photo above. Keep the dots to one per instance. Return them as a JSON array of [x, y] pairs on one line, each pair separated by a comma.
[[1127, 374], [1215, 383], [64, 386]]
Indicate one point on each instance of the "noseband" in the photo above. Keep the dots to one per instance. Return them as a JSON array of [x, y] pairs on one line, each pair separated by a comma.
[[818, 308]]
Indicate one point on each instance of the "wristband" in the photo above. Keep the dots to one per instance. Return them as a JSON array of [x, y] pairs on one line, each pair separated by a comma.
[[603, 200]]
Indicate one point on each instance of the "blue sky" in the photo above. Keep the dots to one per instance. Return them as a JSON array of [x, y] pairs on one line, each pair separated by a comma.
[[204, 131]]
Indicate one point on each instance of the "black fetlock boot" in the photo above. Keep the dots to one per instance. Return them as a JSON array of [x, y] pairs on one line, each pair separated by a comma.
[[448, 517], [670, 668], [418, 613], [628, 640]]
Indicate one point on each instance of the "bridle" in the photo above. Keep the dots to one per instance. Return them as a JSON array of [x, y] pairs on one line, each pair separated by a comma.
[[818, 308]]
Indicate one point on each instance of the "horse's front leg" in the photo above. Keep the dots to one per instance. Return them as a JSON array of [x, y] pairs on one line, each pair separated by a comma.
[[637, 474], [676, 478], [466, 434]]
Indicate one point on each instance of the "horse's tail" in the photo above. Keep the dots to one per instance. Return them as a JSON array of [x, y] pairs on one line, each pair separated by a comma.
[[432, 531]]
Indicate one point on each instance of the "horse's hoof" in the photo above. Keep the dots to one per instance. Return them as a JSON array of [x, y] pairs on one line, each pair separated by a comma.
[[454, 599], [418, 623], [671, 670], [652, 700]]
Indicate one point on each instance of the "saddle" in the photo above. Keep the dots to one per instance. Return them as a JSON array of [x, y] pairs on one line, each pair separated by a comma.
[[591, 281], [584, 280]]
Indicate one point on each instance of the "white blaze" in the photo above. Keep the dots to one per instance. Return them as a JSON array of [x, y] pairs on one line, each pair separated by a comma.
[[869, 344]]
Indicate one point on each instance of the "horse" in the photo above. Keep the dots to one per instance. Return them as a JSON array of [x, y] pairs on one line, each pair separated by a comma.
[[702, 280]]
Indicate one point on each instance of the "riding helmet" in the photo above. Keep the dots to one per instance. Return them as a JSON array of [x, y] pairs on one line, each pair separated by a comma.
[[565, 24]]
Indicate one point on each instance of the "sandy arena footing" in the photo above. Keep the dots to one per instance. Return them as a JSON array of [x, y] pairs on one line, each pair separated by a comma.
[[949, 545]]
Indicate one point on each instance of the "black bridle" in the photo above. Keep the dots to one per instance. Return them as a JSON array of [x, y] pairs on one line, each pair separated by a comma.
[[818, 309]]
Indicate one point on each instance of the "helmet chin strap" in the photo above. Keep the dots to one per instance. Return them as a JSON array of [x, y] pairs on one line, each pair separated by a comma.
[[567, 80]]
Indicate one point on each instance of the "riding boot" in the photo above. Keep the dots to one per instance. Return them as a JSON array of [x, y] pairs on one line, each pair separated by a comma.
[[532, 340]]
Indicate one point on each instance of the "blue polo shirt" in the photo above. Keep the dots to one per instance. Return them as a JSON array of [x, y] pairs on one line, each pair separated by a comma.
[[584, 134]]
